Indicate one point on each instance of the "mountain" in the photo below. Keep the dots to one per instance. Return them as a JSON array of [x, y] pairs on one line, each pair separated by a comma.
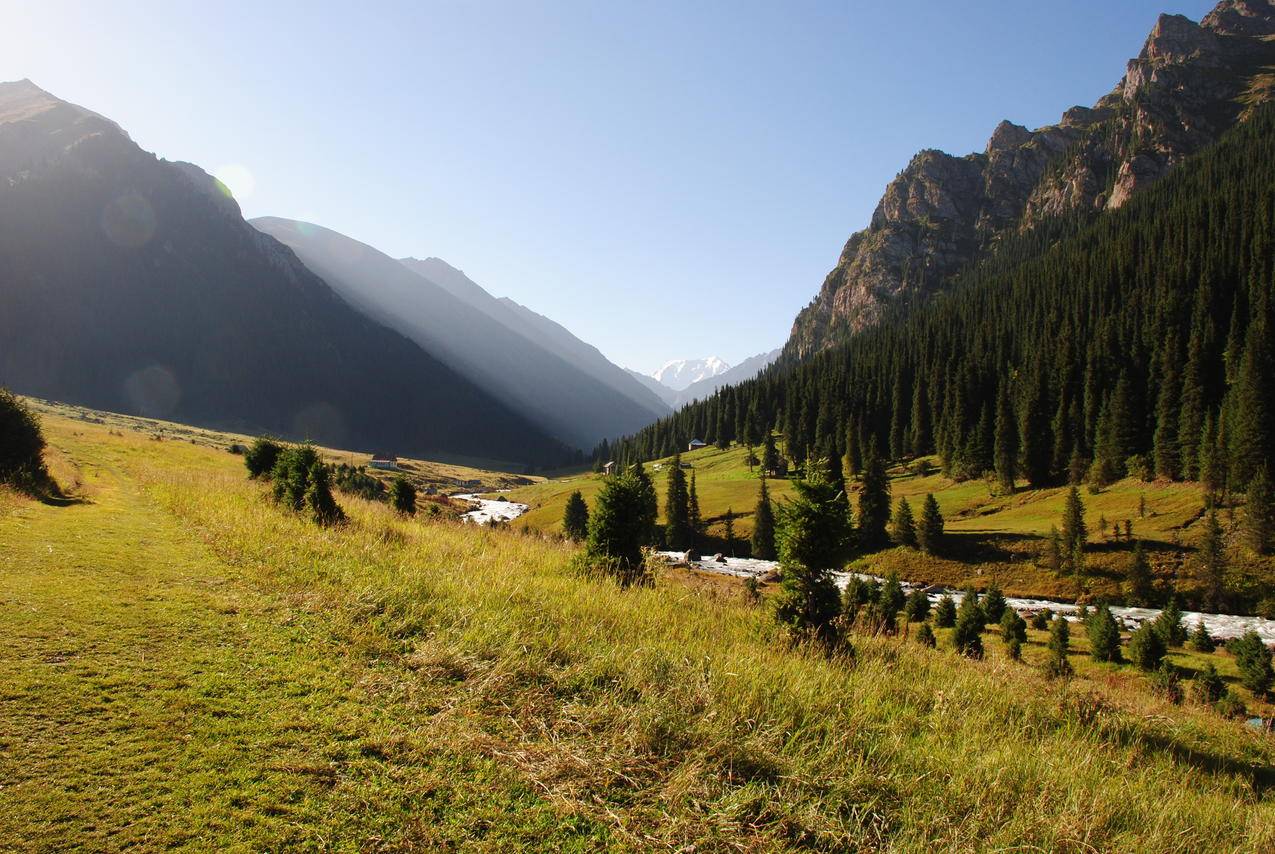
[[496, 354], [745, 370], [541, 330], [663, 392], [131, 283], [1188, 85], [679, 374]]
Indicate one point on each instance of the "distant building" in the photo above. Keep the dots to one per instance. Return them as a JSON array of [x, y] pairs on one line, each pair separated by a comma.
[[780, 469], [696, 444], [384, 462], [608, 469]]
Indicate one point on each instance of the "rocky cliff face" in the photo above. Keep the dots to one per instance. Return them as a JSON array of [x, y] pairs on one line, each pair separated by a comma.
[[1189, 84]]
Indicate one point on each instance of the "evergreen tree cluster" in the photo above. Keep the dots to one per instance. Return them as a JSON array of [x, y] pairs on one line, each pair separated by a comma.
[[1095, 346], [21, 446]]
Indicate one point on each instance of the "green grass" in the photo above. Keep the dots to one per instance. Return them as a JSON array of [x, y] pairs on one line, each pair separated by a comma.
[[185, 665]]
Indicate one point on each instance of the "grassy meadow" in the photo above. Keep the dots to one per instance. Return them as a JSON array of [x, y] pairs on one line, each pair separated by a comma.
[[185, 665]]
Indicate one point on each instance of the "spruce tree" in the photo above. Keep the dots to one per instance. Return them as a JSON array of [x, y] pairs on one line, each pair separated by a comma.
[[1006, 451], [769, 454], [1013, 627], [1146, 647], [967, 636], [1108, 464], [1138, 579], [854, 457], [318, 497], [622, 524], [994, 603], [403, 496], [693, 513], [925, 636], [1059, 643], [1251, 428], [763, 525], [261, 457], [945, 613], [1054, 557], [1212, 464], [1213, 564], [929, 534], [902, 525], [1104, 635], [1074, 532], [678, 534], [874, 500], [920, 434], [1167, 449], [1259, 513], [1201, 641], [917, 607], [728, 530], [1036, 436], [814, 540], [890, 602], [1169, 624], [1208, 687], [1253, 660], [575, 518]]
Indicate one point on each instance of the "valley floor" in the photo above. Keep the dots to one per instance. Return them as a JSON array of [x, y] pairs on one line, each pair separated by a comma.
[[184, 665]]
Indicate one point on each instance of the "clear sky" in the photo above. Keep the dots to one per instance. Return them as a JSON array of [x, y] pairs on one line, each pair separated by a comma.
[[668, 180]]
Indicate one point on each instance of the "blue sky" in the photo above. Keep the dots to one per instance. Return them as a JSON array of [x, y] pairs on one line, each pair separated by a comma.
[[667, 180]]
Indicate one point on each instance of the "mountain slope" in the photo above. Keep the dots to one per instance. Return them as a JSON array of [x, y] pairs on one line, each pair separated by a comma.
[[659, 389], [539, 329], [563, 400], [133, 284], [1188, 85]]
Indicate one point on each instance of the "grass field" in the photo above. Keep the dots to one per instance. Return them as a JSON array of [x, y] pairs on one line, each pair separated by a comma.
[[184, 665], [990, 537]]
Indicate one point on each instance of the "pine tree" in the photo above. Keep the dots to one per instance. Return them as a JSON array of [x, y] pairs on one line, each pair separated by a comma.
[[920, 436], [575, 518], [403, 496], [1168, 452], [678, 534], [1074, 532], [1054, 557], [1253, 660], [1213, 564], [1036, 435], [1169, 624], [262, 456], [945, 613], [1251, 426], [1108, 464], [1104, 635], [1013, 627], [925, 636], [929, 534], [1138, 578], [898, 418], [1192, 415], [814, 539], [1059, 642], [890, 602], [854, 459], [1211, 465], [917, 607], [994, 603], [622, 524], [1146, 647], [764, 525], [769, 454], [1201, 641], [693, 513], [874, 500], [1006, 441], [967, 636], [1259, 513], [902, 525]]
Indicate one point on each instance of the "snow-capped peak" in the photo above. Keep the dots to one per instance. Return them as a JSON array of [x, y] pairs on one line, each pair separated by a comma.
[[680, 373]]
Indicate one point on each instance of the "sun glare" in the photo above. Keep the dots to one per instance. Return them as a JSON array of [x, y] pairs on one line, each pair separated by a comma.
[[236, 178]]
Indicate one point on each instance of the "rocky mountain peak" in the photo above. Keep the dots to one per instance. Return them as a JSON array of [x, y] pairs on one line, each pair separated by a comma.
[[1187, 86]]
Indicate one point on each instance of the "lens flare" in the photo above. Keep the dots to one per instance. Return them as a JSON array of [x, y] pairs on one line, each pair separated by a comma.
[[237, 179]]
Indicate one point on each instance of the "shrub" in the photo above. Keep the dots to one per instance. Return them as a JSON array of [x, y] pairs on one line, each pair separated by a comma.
[[357, 481], [21, 446], [1040, 620], [1254, 662], [261, 457], [890, 602], [1207, 687], [1146, 647], [1231, 706], [945, 613], [1165, 682], [291, 475], [1014, 649], [318, 498], [925, 636], [403, 496]]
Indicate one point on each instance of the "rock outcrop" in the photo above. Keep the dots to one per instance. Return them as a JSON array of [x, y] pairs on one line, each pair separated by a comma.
[[1188, 85]]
